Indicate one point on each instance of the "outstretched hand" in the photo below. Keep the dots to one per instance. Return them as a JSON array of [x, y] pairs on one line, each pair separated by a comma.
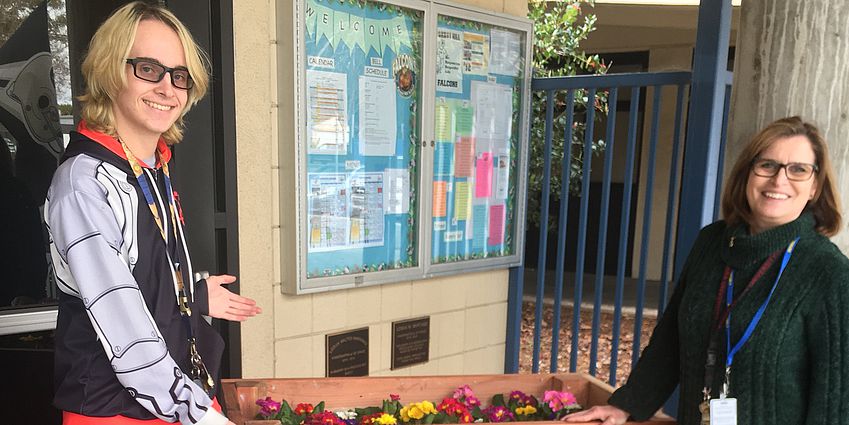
[[224, 304], [608, 414]]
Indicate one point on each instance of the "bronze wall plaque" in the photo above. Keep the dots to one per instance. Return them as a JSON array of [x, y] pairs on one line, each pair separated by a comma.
[[410, 342], [347, 353]]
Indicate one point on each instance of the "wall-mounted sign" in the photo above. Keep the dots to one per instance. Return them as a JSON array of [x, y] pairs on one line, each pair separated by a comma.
[[347, 353], [410, 342]]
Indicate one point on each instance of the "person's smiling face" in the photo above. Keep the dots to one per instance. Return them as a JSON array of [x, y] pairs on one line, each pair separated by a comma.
[[144, 110], [777, 200]]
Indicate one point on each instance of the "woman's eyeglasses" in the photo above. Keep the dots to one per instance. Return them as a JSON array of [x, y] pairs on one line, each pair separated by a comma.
[[147, 70], [795, 171]]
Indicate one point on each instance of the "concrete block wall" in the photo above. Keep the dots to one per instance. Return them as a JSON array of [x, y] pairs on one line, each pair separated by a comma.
[[468, 312]]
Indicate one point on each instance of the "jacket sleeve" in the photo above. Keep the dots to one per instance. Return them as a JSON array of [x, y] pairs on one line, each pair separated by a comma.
[[657, 372], [828, 342], [87, 237]]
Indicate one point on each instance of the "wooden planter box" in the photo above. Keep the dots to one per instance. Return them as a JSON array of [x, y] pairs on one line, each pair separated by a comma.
[[240, 395]]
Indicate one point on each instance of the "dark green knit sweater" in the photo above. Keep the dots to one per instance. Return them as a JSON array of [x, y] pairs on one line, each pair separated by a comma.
[[795, 367]]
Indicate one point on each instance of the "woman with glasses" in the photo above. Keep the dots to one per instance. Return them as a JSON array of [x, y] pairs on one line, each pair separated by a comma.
[[132, 345], [757, 330]]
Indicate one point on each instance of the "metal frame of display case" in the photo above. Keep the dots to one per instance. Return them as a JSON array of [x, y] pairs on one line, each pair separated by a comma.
[[296, 281]]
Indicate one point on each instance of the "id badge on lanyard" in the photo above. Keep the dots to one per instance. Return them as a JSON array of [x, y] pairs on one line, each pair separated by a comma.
[[723, 410]]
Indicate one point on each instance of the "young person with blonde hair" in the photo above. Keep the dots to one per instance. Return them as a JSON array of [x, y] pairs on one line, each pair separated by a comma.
[[132, 346]]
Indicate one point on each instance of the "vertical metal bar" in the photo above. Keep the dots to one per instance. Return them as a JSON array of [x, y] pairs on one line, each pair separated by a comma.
[[670, 201], [722, 143], [646, 230], [698, 184], [602, 232], [624, 227], [543, 226], [566, 167], [514, 320], [582, 229]]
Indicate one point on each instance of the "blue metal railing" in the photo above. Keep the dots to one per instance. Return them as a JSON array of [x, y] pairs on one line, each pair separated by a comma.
[[590, 85]]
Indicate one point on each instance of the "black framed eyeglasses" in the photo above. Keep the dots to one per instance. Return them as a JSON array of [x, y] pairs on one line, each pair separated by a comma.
[[795, 171], [148, 70]]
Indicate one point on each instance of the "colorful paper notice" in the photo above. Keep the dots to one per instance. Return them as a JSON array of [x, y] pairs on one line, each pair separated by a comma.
[[327, 114], [483, 176], [443, 121], [475, 53], [502, 177], [496, 225], [464, 120], [449, 61], [479, 223], [462, 198], [464, 156], [439, 198], [443, 164], [345, 211]]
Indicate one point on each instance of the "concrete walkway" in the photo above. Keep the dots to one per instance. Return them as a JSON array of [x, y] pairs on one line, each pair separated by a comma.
[[629, 293]]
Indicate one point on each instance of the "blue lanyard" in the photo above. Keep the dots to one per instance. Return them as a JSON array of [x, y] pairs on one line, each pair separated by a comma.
[[729, 296]]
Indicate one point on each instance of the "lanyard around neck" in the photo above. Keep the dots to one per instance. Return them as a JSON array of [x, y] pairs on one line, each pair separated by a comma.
[[148, 194], [141, 177], [758, 315]]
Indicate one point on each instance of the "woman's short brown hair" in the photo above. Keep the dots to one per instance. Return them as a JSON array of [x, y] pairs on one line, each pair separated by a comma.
[[104, 66], [825, 204]]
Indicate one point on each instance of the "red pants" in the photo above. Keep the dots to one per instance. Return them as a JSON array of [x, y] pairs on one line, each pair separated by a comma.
[[69, 418]]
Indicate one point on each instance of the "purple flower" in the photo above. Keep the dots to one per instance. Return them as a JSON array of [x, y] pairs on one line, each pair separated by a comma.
[[498, 414], [268, 407]]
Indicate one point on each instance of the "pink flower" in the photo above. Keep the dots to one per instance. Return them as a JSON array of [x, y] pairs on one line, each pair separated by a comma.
[[558, 400], [466, 396], [394, 397], [464, 391]]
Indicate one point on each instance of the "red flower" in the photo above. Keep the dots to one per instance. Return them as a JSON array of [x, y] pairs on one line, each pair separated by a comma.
[[303, 409], [370, 419], [394, 397]]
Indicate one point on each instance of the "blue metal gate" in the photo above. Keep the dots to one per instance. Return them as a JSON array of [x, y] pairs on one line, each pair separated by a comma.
[[709, 88]]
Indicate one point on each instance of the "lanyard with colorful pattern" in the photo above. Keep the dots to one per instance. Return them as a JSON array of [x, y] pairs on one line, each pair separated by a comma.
[[200, 375]]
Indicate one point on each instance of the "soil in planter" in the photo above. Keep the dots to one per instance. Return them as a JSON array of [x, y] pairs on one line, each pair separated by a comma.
[[626, 341]]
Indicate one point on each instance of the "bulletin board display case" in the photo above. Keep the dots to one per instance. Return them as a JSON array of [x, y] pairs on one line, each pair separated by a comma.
[[480, 131], [375, 127]]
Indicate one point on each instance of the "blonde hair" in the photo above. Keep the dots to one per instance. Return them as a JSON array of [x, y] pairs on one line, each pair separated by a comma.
[[825, 204], [103, 68]]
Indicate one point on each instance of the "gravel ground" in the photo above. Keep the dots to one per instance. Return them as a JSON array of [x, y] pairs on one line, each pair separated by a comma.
[[626, 341]]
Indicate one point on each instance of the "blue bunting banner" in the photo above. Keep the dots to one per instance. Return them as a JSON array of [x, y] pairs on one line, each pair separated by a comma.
[[356, 31]]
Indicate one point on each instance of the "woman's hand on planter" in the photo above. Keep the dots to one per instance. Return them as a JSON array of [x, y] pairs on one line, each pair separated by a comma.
[[608, 414]]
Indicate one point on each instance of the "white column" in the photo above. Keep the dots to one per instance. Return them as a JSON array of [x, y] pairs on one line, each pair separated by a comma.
[[793, 59]]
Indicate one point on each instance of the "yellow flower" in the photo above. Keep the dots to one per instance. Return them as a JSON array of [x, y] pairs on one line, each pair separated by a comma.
[[385, 419], [520, 410], [416, 412], [427, 407], [530, 410], [405, 413]]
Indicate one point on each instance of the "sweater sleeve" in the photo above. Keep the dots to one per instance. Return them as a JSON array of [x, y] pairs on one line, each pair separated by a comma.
[[828, 342], [657, 372], [86, 240]]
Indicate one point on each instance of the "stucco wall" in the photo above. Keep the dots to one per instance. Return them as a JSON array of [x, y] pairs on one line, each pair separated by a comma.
[[468, 312]]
